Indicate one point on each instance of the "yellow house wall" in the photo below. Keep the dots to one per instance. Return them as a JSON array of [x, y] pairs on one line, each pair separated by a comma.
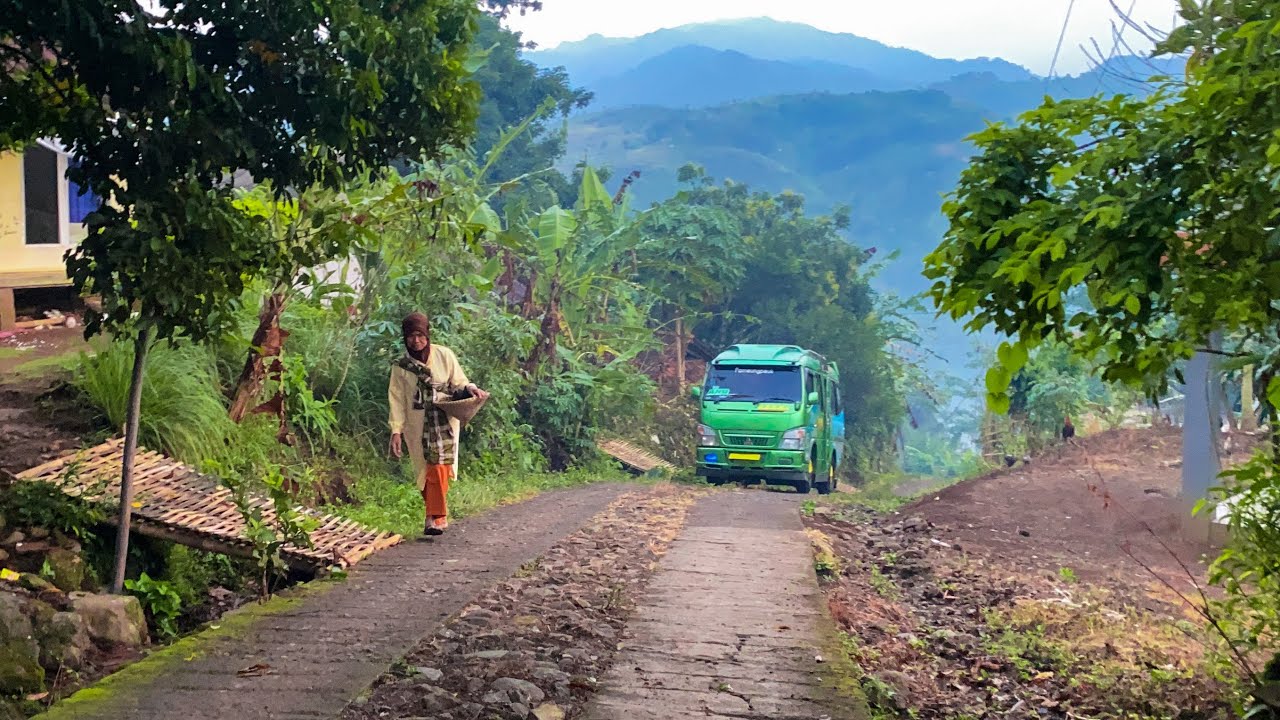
[[16, 256]]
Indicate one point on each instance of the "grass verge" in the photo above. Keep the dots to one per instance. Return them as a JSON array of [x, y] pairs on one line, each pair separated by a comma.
[[393, 503]]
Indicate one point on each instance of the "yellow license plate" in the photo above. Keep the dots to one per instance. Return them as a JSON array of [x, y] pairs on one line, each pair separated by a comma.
[[772, 407], [744, 456]]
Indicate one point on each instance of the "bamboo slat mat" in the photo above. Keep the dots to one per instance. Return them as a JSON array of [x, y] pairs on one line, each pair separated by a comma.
[[632, 456], [174, 501]]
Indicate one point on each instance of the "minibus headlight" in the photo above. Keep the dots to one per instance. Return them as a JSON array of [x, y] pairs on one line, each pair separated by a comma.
[[793, 439], [706, 436]]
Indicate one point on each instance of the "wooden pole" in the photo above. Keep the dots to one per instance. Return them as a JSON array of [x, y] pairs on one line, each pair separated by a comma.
[[8, 312], [1248, 416], [680, 369], [141, 345]]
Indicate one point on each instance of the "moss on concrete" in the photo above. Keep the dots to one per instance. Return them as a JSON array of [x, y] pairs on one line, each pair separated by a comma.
[[137, 677]]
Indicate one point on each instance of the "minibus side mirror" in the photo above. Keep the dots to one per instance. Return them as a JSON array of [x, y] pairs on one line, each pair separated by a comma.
[[696, 391], [813, 398]]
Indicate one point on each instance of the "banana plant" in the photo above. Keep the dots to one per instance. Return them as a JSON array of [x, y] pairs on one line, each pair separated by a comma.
[[574, 265]]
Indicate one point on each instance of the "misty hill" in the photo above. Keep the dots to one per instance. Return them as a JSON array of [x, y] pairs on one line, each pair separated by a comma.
[[696, 75], [840, 119], [597, 58]]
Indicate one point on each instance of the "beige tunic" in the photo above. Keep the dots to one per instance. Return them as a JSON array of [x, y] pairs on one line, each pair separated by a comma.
[[444, 367]]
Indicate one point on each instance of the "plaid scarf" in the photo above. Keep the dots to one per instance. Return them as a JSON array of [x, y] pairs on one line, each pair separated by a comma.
[[439, 445]]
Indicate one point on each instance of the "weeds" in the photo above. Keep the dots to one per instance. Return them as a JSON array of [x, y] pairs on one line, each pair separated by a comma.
[[387, 497], [38, 504], [269, 533], [884, 585], [825, 561], [160, 601]]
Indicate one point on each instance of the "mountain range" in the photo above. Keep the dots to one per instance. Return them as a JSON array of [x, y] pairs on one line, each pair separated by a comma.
[[841, 119]]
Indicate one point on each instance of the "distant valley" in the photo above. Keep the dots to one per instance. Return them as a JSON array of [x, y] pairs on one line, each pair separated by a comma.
[[840, 119]]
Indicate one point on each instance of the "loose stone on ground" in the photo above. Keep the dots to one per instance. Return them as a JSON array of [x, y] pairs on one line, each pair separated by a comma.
[[312, 655], [535, 645]]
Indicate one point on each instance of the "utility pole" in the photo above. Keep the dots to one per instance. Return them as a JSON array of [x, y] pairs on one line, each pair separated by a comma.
[[1202, 424]]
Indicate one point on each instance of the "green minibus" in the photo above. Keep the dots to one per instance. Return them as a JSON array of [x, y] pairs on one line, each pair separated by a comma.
[[772, 414]]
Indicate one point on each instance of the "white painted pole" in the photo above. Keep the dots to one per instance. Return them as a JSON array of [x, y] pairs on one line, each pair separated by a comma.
[[1202, 421]]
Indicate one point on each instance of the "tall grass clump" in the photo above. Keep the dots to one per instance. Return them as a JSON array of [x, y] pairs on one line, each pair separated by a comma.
[[183, 412]]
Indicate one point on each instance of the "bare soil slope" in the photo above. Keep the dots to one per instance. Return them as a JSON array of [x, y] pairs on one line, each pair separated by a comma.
[[1099, 505]]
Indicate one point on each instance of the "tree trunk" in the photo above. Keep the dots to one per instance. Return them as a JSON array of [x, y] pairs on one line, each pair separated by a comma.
[[267, 341], [680, 369], [141, 345], [1248, 416]]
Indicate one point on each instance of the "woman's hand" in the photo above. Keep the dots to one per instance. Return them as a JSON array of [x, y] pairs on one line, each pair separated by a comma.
[[482, 394], [397, 447]]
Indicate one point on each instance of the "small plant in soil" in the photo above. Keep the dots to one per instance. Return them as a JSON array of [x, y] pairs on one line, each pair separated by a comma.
[[268, 537], [529, 568], [161, 602], [1067, 575], [825, 561], [884, 585]]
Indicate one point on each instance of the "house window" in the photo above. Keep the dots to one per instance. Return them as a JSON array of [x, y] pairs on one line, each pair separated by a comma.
[[79, 206], [40, 196]]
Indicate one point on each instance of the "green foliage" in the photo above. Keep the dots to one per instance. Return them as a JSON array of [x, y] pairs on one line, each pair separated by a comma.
[[1055, 384], [159, 600], [315, 417], [1040, 215], [762, 270], [43, 505], [515, 89], [884, 585], [1161, 213], [1027, 648], [305, 99], [269, 531], [183, 412], [934, 455], [192, 573], [388, 502], [1249, 614]]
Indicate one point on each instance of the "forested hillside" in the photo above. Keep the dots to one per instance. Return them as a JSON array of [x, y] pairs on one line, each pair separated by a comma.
[[841, 120]]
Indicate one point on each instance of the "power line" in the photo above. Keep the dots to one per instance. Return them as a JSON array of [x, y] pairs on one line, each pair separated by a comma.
[[1118, 37], [1061, 38]]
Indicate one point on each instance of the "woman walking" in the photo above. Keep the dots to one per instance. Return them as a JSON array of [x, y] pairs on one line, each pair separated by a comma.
[[425, 385]]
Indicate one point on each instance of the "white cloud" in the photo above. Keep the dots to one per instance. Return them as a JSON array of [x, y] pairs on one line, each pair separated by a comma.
[[1022, 31]]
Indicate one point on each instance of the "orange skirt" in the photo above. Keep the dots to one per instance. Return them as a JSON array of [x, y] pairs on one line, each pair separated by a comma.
[[435, 489]]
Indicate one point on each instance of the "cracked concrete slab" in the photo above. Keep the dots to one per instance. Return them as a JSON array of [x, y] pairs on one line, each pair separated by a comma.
[[731, 626]]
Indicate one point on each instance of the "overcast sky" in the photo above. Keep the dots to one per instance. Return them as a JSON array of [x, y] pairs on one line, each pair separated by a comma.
[[1023, 31]]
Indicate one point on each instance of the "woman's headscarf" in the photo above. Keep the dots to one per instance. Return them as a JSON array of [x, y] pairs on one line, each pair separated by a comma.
[[416, 322]]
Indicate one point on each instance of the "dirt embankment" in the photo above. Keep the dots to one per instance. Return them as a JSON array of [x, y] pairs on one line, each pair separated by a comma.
[[1046, 591], [1100, 505]]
